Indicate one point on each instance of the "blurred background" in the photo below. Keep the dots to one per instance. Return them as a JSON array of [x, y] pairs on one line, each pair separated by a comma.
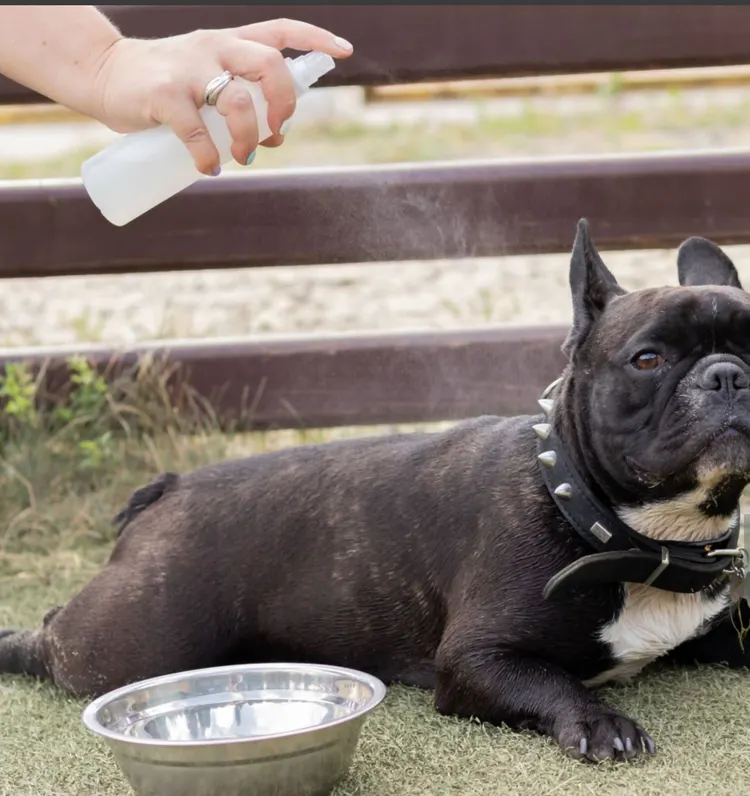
[[506, 118]]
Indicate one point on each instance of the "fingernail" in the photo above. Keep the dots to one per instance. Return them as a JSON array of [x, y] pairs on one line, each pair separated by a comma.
[[342, 44], [284, 129], [250, 158], [216, 171]]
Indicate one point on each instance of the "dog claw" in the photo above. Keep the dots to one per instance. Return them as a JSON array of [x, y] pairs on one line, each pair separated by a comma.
[[607, 735]]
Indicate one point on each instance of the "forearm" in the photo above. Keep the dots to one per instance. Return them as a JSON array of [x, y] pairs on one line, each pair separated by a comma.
[[56, 51]]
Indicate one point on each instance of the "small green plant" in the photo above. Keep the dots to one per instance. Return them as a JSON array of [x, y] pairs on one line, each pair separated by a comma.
[[78, 420], [18, 394], [85, 424], [88, 395], [86, 412], [95, 453]]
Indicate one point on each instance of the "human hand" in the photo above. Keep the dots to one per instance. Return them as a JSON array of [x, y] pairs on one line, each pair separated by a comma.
[[142, 83]]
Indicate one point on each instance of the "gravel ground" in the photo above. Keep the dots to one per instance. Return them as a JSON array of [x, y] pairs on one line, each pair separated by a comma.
[[436, 294], [430, 295]]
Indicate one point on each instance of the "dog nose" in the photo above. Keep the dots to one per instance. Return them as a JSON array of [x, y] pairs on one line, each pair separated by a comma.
[[724, 377]]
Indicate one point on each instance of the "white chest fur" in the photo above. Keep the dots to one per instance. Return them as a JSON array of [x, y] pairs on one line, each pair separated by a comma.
[[651, 623]]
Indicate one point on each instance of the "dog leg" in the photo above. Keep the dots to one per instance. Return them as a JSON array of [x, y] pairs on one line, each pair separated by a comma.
[[727, 642], [117, 630], [526, 692]]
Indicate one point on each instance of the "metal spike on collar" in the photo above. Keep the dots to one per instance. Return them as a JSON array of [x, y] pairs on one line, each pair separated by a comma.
[[546, 405], [564, 491], [548, 458], [542, 430]]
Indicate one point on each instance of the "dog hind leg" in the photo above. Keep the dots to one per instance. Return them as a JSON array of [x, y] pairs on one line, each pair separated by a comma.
[[24, 652]]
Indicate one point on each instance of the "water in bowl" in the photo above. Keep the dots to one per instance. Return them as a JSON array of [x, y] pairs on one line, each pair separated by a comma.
[[241, 719]]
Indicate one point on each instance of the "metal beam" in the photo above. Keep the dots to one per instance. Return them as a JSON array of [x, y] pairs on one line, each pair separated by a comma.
[[376, 214], [344, 380], [411, 43]]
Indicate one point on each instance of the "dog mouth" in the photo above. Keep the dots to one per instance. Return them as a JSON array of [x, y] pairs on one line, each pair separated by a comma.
[[731, 430], [726, 452], [726, 448]]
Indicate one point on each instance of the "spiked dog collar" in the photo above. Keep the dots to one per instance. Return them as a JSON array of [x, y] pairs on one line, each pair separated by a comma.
[[622, 554]]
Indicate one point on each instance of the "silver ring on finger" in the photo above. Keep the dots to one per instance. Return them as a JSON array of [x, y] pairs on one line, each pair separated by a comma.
[[216, 86]]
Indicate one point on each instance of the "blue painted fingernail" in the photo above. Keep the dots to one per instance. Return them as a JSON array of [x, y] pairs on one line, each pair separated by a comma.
[[216, 171], [284, 129], [250, 159]]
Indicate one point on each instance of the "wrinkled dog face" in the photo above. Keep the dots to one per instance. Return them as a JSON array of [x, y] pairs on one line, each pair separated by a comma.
[[661, 384]]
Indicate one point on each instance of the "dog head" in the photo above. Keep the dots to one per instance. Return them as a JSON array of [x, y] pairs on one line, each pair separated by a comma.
[[656, 400]]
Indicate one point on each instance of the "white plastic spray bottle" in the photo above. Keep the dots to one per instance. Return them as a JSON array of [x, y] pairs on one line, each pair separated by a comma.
[[141, 170]]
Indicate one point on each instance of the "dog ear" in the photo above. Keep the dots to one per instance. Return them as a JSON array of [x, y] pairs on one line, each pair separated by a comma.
[[592, 286], [701, 262]]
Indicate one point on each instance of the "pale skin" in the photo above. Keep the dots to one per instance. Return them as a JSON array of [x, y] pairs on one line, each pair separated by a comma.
[[75, 56]]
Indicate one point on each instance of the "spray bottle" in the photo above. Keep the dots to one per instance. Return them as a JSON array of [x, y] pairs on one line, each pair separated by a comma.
[[143, 169]]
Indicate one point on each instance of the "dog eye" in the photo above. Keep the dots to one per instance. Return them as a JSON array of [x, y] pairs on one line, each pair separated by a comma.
[[648, 361]]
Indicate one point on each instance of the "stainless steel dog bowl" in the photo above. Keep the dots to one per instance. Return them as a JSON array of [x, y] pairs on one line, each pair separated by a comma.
[[248, 730]]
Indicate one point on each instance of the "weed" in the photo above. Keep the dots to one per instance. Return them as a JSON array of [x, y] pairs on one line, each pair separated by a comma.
[[18, 393]]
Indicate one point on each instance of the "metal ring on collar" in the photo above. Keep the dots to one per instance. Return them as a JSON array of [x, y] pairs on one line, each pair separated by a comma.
[[551, 387], [216, 86]]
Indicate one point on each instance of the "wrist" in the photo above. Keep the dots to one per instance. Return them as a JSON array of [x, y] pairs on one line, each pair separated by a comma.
[[95, 75]]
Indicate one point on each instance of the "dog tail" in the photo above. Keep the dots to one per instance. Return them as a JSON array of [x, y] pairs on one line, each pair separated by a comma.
[[144, 497]]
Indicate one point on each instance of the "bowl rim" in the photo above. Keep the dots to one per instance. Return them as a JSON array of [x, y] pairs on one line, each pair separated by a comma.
[[90, 721]]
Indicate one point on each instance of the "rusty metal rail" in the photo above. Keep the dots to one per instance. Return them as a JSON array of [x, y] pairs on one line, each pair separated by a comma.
[[401, 212], [347, 380], [411, 43]]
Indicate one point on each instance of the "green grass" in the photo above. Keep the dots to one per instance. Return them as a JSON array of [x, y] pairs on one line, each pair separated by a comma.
[[699, 718], [406, 749]]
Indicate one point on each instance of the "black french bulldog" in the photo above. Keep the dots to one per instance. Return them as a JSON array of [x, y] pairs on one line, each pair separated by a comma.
[[508, 563]]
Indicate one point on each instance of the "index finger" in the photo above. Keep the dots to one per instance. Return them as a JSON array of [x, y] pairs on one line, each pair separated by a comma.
[[281, 33]]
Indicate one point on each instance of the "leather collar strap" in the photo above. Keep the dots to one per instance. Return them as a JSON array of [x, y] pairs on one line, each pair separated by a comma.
[[622, 554]]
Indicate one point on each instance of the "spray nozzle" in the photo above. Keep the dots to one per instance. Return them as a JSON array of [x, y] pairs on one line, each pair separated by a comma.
[[310, 67]]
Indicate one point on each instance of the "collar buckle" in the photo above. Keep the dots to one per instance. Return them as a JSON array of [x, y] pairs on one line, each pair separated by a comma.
[[663, 564], [739, 564]]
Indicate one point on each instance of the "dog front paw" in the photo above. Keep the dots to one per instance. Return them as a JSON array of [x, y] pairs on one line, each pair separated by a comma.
[[603, 735]]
